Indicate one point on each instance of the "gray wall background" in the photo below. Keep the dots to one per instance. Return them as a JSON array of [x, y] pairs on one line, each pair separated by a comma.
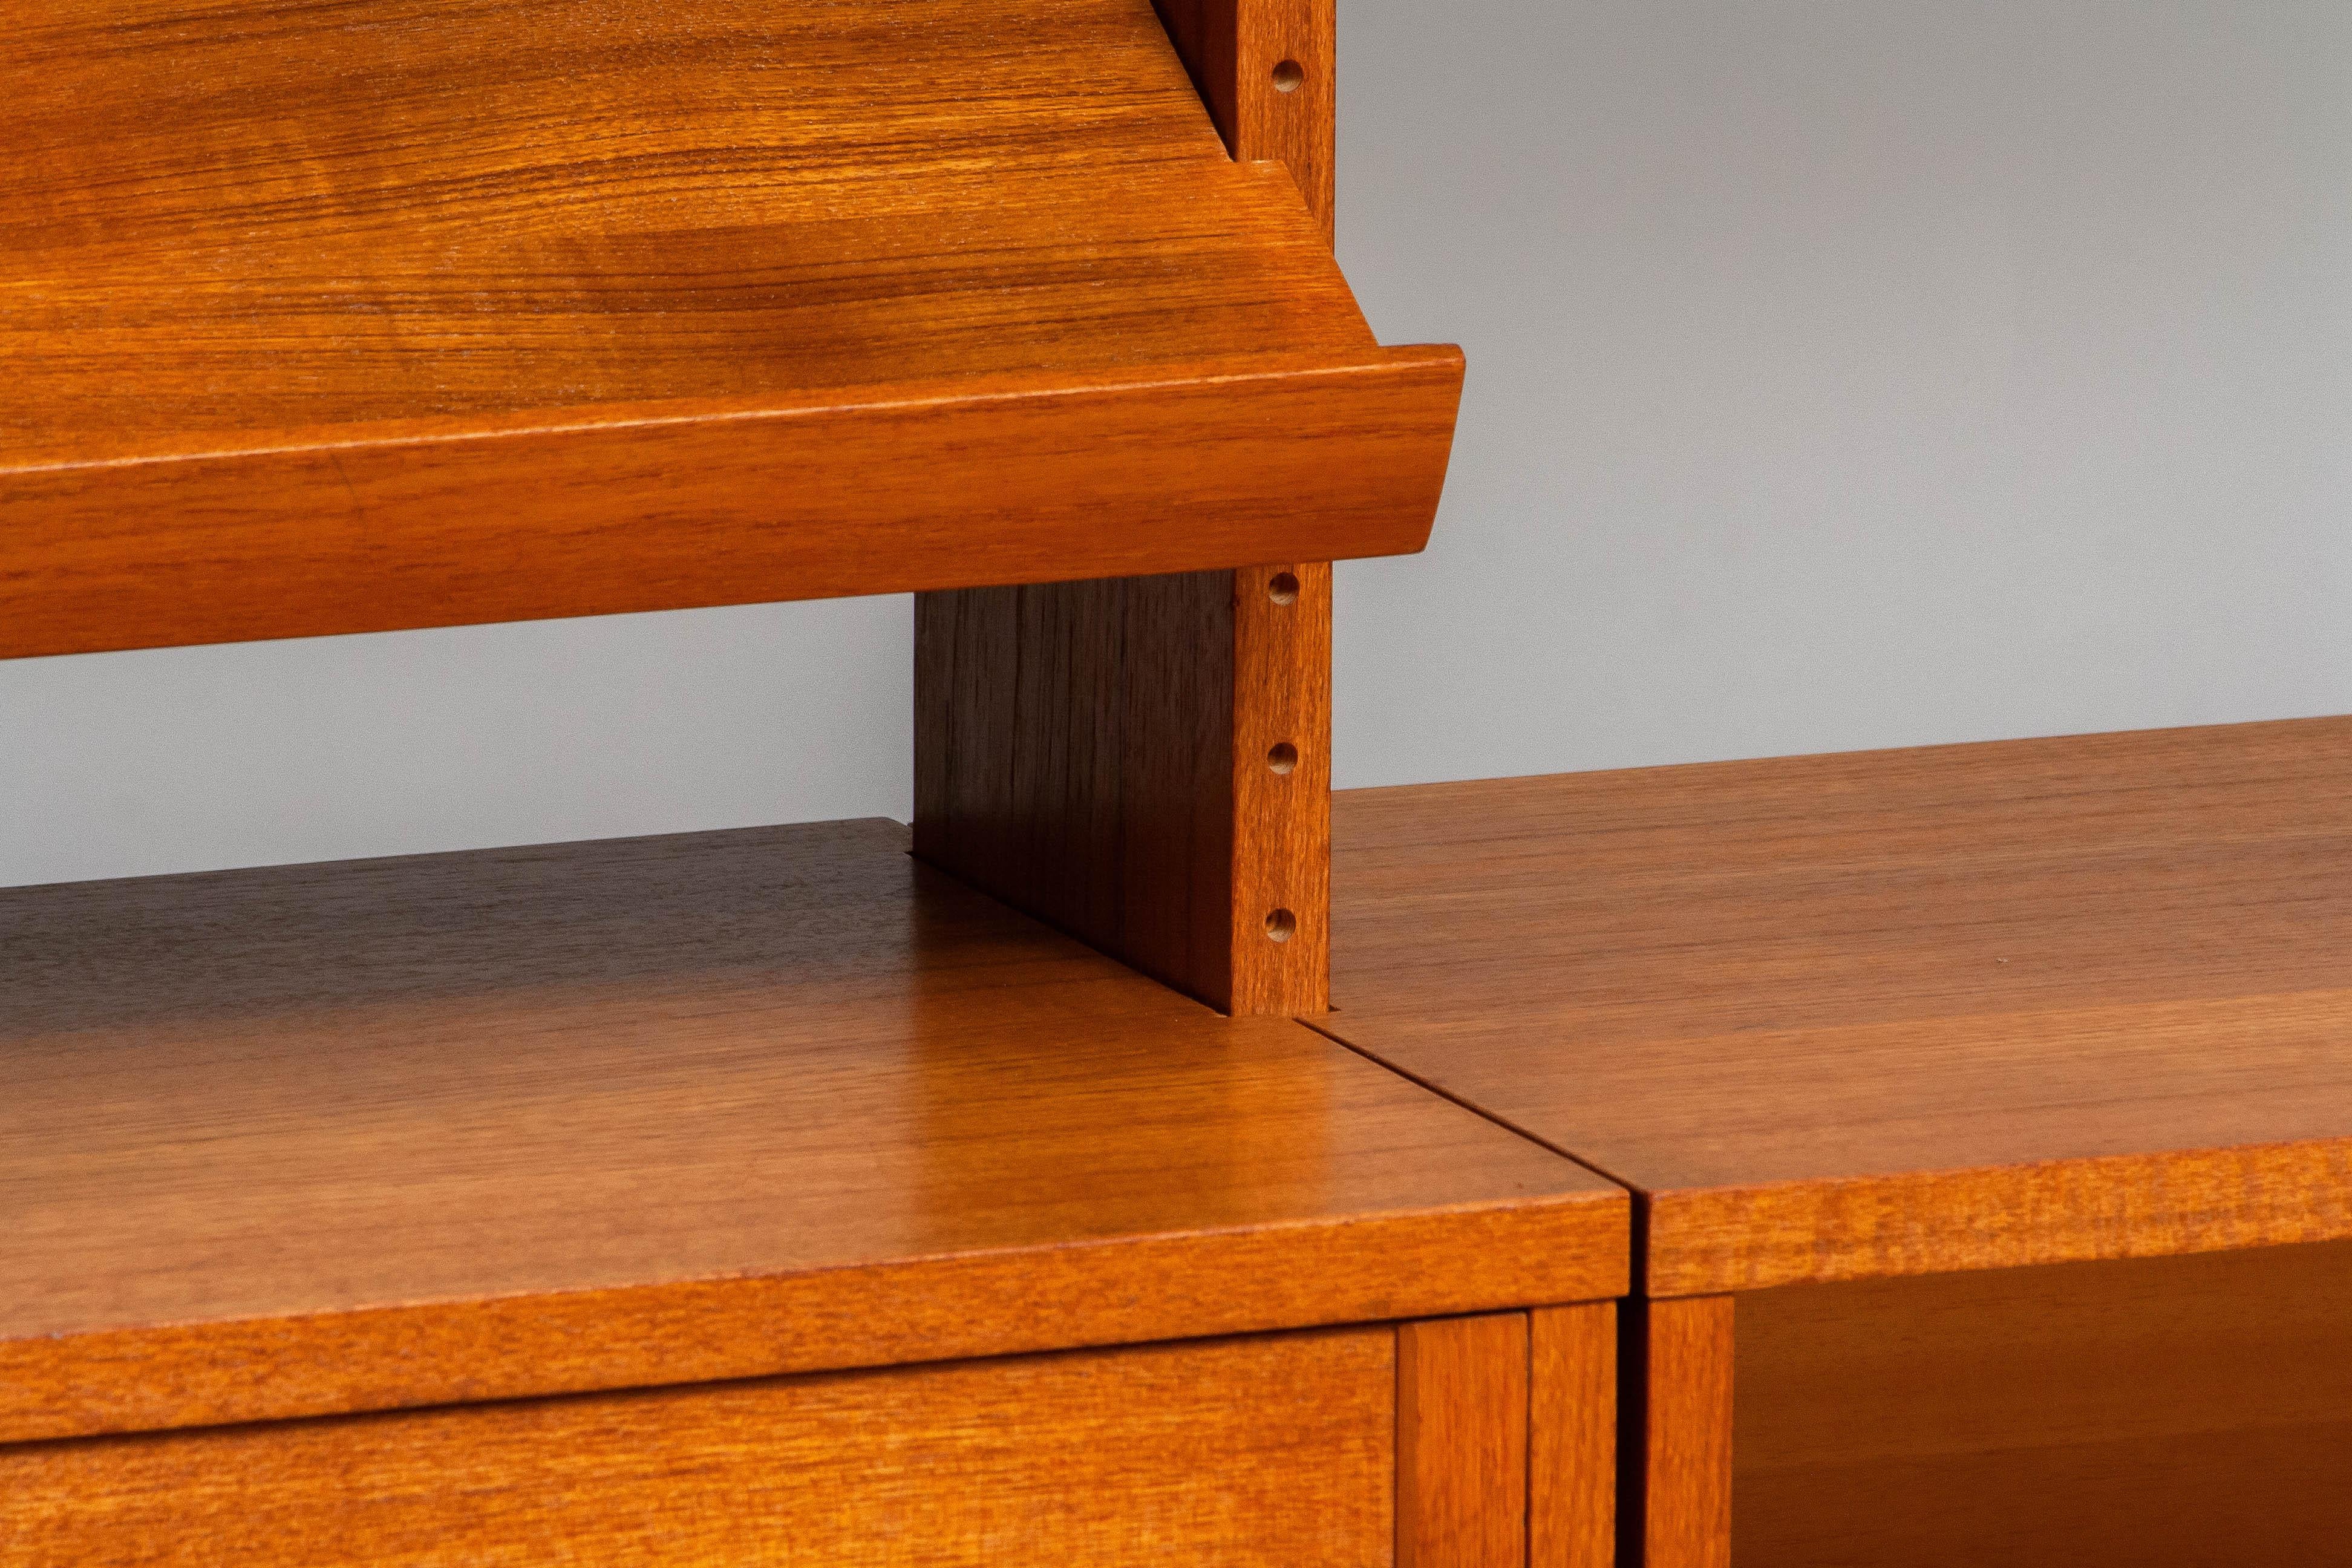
[[1843, 373]]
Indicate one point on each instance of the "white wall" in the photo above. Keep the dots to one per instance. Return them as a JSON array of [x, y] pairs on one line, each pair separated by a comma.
[[187, 758], [1843, 372], [1854, 373]]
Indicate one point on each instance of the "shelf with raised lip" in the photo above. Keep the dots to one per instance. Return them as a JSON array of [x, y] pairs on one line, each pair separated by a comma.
[[394, 314]]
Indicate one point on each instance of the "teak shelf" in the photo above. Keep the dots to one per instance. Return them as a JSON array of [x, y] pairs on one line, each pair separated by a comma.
[[411, 312], [400, 314]]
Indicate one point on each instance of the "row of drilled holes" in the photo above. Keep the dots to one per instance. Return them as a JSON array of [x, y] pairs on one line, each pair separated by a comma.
[[1282, 589], [1281, 924]]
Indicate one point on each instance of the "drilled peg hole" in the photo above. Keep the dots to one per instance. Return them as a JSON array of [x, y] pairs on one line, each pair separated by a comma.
[[1282, 757], [1288, 76], [1284, 589], [1280, 924]]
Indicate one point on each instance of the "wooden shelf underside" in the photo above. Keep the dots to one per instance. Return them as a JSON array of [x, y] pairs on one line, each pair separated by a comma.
[[387, 314], [1893, 1013], [2166, 1412], [451, 1128]]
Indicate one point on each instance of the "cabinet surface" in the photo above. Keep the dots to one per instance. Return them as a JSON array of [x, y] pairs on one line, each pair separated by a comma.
[[1897, 1012], [1277, 1450], [1971, 1095], [323, 1181], [309, 1140]]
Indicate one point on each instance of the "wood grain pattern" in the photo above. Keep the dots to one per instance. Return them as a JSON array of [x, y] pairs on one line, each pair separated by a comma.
[[1675, 1470], [682, 507], [336, 1137], [1101, 755], [1073, 758], [2165, 1412], [344, 320], [1461, 1443], [1237, 51], [1572, 1436], [1279, 742], [1273, 1452], [1892, 1013]]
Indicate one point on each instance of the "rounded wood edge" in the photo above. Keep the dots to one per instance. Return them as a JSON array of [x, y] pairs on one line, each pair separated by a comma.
[[678, 510]]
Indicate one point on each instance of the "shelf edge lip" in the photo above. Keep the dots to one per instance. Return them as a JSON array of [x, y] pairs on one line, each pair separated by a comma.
[[1104, 1293], [590, 419], [1209, 465]]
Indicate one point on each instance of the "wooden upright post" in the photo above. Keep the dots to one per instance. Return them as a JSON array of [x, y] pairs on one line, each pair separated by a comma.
[[1145, 762], [1267, 70], [1674, 1459]]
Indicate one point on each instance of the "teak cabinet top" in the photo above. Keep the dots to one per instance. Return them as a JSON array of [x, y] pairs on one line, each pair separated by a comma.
[[306, 1140], [396, 313], [1889, 1013]]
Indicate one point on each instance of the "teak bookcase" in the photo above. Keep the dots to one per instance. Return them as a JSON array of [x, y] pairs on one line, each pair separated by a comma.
[[1924, 1157], [787, 1194]]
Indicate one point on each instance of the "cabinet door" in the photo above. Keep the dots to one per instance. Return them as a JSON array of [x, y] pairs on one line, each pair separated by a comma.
[[1482, 1442], [1272, 1450]]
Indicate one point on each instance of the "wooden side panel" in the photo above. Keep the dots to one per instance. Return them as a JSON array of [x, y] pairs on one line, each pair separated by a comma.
[[1148, 764], [1073, 756], [2167, 1412], [1572, 1436], [1275, 1452], [1674, 1475], [1268, 71], [1286, 93], [1205, 32], [1462, 1442], [1144, 762]]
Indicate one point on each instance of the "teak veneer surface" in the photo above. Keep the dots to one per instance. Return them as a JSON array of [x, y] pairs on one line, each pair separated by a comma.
[[1462, 1429], [1675, 1461], [335, 1137], [386, 313], [2166, 1412], [1266, 1452], [1267, 70], [1103, 754], [1890, 1012], [1572, 1417]]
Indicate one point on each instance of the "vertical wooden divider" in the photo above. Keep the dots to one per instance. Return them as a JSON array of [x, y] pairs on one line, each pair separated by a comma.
[[1282, 790], [1674, 1454], [1462, 1442], [1268, 71], [1146, 761], [1572, 1436]]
